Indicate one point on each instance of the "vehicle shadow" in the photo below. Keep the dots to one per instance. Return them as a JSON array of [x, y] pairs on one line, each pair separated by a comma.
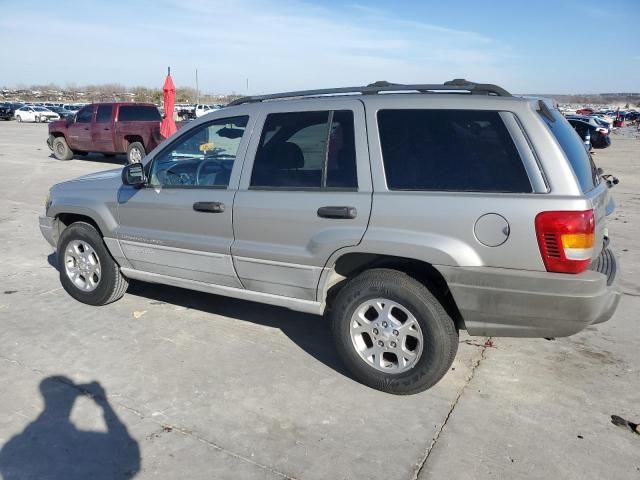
[[98, 157], [52, 447], [311, 333]]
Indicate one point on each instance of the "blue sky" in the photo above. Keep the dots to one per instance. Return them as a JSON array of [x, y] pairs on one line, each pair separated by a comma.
[[561, 46]]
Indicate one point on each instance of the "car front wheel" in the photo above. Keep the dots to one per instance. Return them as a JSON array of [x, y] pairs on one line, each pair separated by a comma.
[[87, 271], [392, 333], [61, 150]]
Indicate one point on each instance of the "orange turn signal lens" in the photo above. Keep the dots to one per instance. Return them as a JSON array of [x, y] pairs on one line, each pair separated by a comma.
[[577, 240]]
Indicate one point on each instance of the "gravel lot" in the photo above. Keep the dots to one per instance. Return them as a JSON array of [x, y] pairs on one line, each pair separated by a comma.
[[194, 386]]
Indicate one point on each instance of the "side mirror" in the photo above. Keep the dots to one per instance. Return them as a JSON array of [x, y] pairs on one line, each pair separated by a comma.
[[133, 174]]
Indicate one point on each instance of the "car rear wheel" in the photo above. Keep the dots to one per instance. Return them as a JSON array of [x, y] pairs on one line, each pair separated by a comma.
[[61, 150], [87, 271], [135, 152], [392, 333]]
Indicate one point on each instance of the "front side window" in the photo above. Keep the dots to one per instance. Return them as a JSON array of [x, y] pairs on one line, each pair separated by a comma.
[[202, 157], [84, 115], [306, 150], [450, 150]]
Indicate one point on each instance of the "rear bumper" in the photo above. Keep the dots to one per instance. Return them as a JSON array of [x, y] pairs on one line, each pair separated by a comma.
[[515, 303], [47, 227]]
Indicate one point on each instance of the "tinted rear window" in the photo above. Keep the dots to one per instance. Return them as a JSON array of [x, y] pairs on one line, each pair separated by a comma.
[[138, 113], [450, 150], [573, 147]]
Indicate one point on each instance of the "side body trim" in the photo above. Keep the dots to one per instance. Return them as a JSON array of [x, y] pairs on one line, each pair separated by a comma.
[[306, 306]]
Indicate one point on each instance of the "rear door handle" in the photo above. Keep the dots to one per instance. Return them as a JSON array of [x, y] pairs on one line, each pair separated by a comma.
[[338, 212], [211, 207]]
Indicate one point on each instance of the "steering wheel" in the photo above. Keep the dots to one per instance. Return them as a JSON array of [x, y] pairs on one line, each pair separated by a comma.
[[218, 161]]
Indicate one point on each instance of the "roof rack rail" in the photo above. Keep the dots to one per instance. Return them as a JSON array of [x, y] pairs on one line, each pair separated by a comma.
[[452, 86]]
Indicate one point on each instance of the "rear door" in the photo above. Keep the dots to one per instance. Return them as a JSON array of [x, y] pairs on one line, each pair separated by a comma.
[[79, 131], [305, 192], [101, 129]]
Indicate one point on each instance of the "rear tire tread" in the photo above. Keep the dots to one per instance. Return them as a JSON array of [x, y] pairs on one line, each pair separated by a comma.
[[440, 342]]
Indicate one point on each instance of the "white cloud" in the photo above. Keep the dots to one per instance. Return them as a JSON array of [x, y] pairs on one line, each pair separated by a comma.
[[278, 46]]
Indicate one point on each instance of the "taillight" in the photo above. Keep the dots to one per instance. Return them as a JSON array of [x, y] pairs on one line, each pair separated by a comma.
[[566, 240]]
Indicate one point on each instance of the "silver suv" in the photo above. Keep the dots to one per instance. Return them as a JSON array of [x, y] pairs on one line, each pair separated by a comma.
[[405, 212]]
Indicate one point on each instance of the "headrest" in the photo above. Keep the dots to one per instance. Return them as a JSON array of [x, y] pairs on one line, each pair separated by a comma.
[[287, 156]]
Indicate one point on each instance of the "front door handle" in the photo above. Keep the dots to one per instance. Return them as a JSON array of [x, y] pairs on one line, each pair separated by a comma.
[[211, 207], [338, 212]]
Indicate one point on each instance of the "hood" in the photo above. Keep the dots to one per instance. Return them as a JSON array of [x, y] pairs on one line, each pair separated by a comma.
[[103, 175], [107, 179], [57, 125]]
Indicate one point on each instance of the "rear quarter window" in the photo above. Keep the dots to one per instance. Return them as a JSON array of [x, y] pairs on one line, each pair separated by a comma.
[[138, 113], [573, 147], [450, 150]]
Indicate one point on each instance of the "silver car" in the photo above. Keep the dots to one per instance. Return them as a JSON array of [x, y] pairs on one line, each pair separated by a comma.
[[404, 212]]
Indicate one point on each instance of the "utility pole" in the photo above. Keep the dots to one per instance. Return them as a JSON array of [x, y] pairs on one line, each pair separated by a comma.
[[197, 89], [247, 84]]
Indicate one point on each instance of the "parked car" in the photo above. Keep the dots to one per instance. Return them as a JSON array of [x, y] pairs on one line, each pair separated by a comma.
[[405, 216], [71, 107], [108, 128], [6, 112], [201, 110], [595, 122], [63, 113], [37, 114], [599, 136]]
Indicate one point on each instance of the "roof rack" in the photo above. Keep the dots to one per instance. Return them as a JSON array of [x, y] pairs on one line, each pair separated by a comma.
[[459, 85]]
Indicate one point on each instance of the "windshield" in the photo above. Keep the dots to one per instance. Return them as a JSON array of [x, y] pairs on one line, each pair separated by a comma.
[[40, 109]]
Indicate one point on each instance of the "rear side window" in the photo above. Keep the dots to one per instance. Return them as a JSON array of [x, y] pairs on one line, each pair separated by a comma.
[[306, 150], [103, 115], [450, 150], [138, 113], [573, 147]]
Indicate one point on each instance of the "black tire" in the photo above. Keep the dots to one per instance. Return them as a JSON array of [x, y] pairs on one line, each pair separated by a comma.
[[19, 118], [112, 285], [61, 150], [109, 155], [440, 336], [80, 153], [131, 151]]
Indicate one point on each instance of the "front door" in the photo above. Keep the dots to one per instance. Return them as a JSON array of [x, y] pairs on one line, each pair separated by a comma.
[[180, 224], [305, 193], [101, 129], [79, 131]]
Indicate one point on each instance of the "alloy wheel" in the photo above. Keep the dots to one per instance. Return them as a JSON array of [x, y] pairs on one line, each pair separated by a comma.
[[82, 265], [386, 335]]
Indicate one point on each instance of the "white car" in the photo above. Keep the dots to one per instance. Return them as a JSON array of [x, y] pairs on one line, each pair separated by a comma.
[[30, 113], [202, 109]]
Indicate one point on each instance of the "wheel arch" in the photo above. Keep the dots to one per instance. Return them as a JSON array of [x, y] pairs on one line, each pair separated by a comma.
[[135, 138], [350, 264]]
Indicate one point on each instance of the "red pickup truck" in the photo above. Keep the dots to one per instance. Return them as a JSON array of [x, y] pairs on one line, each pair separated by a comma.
[[107, 128]]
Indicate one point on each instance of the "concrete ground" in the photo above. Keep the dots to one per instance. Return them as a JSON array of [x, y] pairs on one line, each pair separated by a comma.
[[168, 383]]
